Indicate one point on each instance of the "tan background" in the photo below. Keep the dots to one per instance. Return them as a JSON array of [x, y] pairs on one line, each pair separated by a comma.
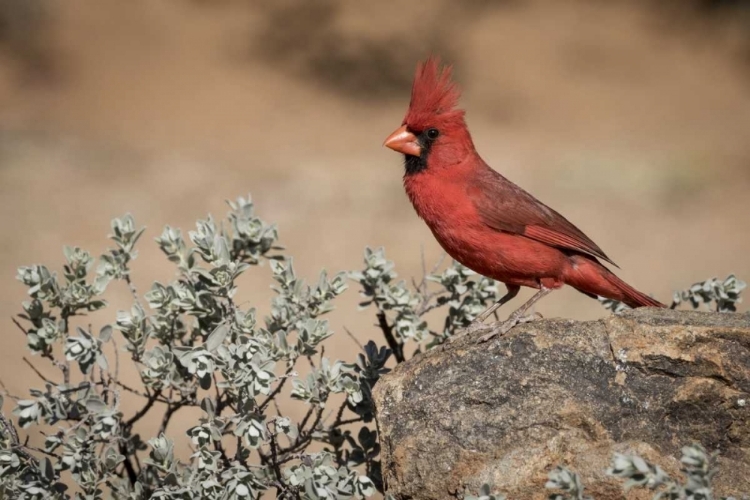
[[631, 120]]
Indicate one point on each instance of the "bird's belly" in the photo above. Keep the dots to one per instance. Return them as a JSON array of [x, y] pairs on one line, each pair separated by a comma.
[[509, 258]]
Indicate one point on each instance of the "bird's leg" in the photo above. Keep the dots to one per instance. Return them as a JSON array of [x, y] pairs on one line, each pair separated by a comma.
[[516, 316], [477, 323], [512, 292]]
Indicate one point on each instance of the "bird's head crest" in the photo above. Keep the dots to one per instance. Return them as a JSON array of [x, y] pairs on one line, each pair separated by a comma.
[[433, 95]]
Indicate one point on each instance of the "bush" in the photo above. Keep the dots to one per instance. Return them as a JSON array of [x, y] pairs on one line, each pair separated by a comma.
[[697, 467], [193, 346]]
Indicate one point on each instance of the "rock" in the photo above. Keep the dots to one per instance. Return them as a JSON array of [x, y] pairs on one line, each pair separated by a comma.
[[558, 392]]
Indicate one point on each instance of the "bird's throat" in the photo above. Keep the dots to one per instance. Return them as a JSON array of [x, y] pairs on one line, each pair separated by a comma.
[[415, 164]]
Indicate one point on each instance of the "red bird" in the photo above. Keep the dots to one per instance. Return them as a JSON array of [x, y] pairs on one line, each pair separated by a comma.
[[482, 219]]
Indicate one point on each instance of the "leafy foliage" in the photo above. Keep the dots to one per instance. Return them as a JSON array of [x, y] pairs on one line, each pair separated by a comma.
[[637, 473], [193, 346], [720, 296]]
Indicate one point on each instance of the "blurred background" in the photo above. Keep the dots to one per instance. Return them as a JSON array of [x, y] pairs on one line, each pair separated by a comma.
[[632, 118]]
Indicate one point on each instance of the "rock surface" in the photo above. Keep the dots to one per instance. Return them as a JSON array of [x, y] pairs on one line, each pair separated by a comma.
[[557, 392]]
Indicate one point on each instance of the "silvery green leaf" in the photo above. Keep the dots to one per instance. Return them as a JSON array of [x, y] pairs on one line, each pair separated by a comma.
[[101, 360], [217, 337], [184, 354], [95, 405], [105, 333], [207, 405], [46, 469]]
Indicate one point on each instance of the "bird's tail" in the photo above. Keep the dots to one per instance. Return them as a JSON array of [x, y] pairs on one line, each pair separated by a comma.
[[590, 277]]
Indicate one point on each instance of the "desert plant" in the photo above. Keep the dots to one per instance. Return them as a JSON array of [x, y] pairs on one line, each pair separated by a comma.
[[194, 346], [697, 467]]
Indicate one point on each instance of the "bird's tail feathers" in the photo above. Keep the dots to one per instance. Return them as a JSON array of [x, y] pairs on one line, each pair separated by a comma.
[[592, 278], [630, 296]]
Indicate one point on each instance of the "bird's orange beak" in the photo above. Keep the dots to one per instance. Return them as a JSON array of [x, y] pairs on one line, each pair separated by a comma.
[[403, 141]]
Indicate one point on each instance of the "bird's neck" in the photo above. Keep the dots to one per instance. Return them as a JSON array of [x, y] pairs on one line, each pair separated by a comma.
[[435, 191]]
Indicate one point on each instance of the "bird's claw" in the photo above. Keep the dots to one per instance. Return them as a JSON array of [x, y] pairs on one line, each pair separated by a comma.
[[501, 329], [508, 325], [474, 327], [530, 317]]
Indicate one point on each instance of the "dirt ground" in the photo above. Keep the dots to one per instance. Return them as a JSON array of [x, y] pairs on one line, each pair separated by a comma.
[[630, 120]]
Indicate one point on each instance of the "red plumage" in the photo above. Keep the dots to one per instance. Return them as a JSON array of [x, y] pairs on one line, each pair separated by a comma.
[[482, 219]]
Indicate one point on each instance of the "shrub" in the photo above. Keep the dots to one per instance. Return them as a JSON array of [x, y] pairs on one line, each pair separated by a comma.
[[697, 467], [193, 346]]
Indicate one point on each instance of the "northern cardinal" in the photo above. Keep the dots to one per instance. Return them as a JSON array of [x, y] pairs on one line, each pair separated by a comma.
[[482, 219]]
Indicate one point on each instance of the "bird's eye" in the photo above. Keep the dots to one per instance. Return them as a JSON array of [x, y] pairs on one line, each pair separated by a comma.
[[433, 134]]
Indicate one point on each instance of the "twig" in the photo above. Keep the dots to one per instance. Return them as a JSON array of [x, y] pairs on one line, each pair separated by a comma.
[[396, 347], [131, 286], [312, 363], [171, 410], [425, 306], [117, 360], [304, 437], [339, 414], [42, 451], [14, 320], [39, 374], [276, 391], [135, 418], [306, 418], [276, 406], [422, 287], [351, 336], [132, 475], [422, 283], [353, 420], [65, 365], [7, 392], [134, 391], [275, 458]]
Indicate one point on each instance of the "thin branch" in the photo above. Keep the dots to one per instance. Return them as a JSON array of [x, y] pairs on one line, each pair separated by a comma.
[[131, 286], [135, 418], [305, 436], [348, 421], [117, 360], [132, 474], [277, 390], [425, 306], [276, 406], [7, 392], [159, 399], [339, 414], [306, 418], [238, 452], [14, 320], [312, 363], [396, 347], [65, 365], [171, 410], [423, 283], [351, 336], [39, 374], [422, 287], [275, 459], [42, 451]]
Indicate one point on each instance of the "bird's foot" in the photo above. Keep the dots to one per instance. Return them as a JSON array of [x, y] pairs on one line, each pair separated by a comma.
[[508, 324], [473, 327], [530, 317]]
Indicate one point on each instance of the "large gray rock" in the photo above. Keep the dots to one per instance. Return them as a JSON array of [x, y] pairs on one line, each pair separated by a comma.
[[558, 392]]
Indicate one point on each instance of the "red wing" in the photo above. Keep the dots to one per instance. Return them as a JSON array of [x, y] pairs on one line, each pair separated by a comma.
[[503, 206]]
